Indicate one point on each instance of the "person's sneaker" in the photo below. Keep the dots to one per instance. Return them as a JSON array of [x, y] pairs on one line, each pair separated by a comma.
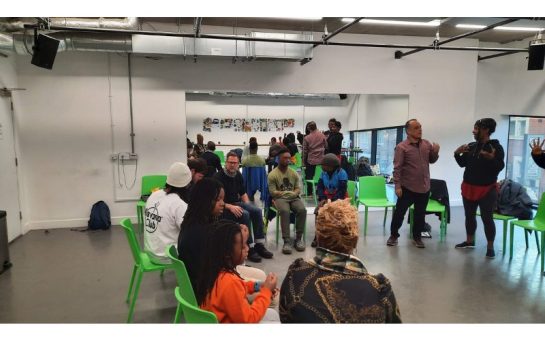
[[419, 244], [392, 241], [262, 251], [490, 253], [253, 255], [286, 248], [465, 244], [299, 245], [314, 244]]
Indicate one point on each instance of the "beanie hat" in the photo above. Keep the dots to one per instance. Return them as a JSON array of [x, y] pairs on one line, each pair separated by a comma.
[[331, 160], [486, 123], [179, 175]]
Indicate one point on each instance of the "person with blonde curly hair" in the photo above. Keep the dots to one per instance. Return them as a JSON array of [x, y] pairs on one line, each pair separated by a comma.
[[334, 286]]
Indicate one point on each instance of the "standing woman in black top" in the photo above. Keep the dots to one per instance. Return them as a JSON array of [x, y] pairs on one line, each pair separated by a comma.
[[483, 161]]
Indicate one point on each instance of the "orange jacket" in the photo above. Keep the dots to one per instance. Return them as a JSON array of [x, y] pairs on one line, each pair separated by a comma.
[[228, 300]]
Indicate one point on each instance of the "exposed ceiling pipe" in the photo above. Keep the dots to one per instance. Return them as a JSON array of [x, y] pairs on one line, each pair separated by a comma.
[[288, 41], [494, 56], [197, 27], [339, 30], [399, 54]]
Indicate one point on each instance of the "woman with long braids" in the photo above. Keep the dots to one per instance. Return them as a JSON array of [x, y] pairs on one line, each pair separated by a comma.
[[205, 205], [220, 288]]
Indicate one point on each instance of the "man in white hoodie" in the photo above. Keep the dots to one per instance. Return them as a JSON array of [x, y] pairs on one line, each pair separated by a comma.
[[164, 213]]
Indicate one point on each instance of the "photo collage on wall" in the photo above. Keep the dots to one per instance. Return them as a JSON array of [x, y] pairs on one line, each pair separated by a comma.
[[247, 125]]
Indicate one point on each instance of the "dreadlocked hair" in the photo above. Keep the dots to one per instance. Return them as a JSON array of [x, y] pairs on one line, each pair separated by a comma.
[[218, 257], [337, 226], [202, 200]]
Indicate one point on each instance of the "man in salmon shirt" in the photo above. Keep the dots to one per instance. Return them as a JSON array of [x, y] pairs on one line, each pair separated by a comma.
[[412, 160]]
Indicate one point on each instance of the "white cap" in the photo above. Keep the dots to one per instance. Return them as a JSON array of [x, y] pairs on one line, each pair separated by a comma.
[[179, 175]]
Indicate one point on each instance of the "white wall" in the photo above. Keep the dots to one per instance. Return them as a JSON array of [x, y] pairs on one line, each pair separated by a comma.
[[9, 188], [65, 128], [505, 87]]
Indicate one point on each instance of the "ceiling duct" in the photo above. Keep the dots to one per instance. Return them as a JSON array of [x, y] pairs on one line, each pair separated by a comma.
[[164, 45], [17, 25]]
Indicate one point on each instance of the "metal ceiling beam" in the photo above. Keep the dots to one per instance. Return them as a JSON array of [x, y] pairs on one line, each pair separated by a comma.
[[287, 41], [338, 30], [494, 55], [399, 54]]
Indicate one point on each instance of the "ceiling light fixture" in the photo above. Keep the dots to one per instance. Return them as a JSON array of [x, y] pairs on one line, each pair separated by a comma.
[[432, 23], [503, 28], [300, 18]]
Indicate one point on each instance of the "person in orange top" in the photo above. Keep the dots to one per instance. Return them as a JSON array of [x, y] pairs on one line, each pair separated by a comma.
[[221, 290]]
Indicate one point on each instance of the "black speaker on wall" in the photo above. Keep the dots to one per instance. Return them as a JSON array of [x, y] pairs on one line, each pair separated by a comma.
[[536, 57], [45, 50]]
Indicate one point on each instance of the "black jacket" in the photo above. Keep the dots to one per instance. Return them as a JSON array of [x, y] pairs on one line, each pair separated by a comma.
[[334, 143], [479, 170], [513, 200]]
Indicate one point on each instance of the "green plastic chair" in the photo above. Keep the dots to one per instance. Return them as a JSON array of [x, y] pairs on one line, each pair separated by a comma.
[[142, 264], [149, 184], [506, 219], [432, 207], [352, 160], [221, 155], [193, 314], [352, 193], [372, 193], [314, 182], [298, 162], [537, 225], [183, 281], [277, 218]]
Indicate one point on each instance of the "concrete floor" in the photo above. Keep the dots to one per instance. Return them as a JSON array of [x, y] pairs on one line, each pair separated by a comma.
[[65, 276]]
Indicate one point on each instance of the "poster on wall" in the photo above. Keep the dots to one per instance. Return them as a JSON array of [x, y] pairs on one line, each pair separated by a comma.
[[247, 125]]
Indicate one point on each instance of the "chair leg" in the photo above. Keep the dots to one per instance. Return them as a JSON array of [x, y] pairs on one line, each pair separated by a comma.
[[314, 194], [162, 272], [277, 226], [511, 234], [178, 313], [135, 296], [411, 222], [504, 234], [542, 250], [365, 223], [131, 283], [385, 214], [537, 241], [526, 237]]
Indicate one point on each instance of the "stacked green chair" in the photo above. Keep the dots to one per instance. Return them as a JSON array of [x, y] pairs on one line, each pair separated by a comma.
[[150, 183], [372, 193], [192, 313], [314, 182], [537, 225], [433, 206], [184, 284], [221, 155], [352, 190], [142, 264]]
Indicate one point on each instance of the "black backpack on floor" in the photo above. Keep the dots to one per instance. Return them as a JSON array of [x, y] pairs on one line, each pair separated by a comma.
[[100, 217]]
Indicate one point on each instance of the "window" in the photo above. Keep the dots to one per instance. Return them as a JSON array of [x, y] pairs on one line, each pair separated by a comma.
[[378, 145], [519, 164]]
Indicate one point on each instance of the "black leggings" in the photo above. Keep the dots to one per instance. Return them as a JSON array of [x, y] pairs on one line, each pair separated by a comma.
[[487, 205]]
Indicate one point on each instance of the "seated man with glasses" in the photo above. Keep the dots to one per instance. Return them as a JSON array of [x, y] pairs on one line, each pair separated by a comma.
[[239, 209]]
